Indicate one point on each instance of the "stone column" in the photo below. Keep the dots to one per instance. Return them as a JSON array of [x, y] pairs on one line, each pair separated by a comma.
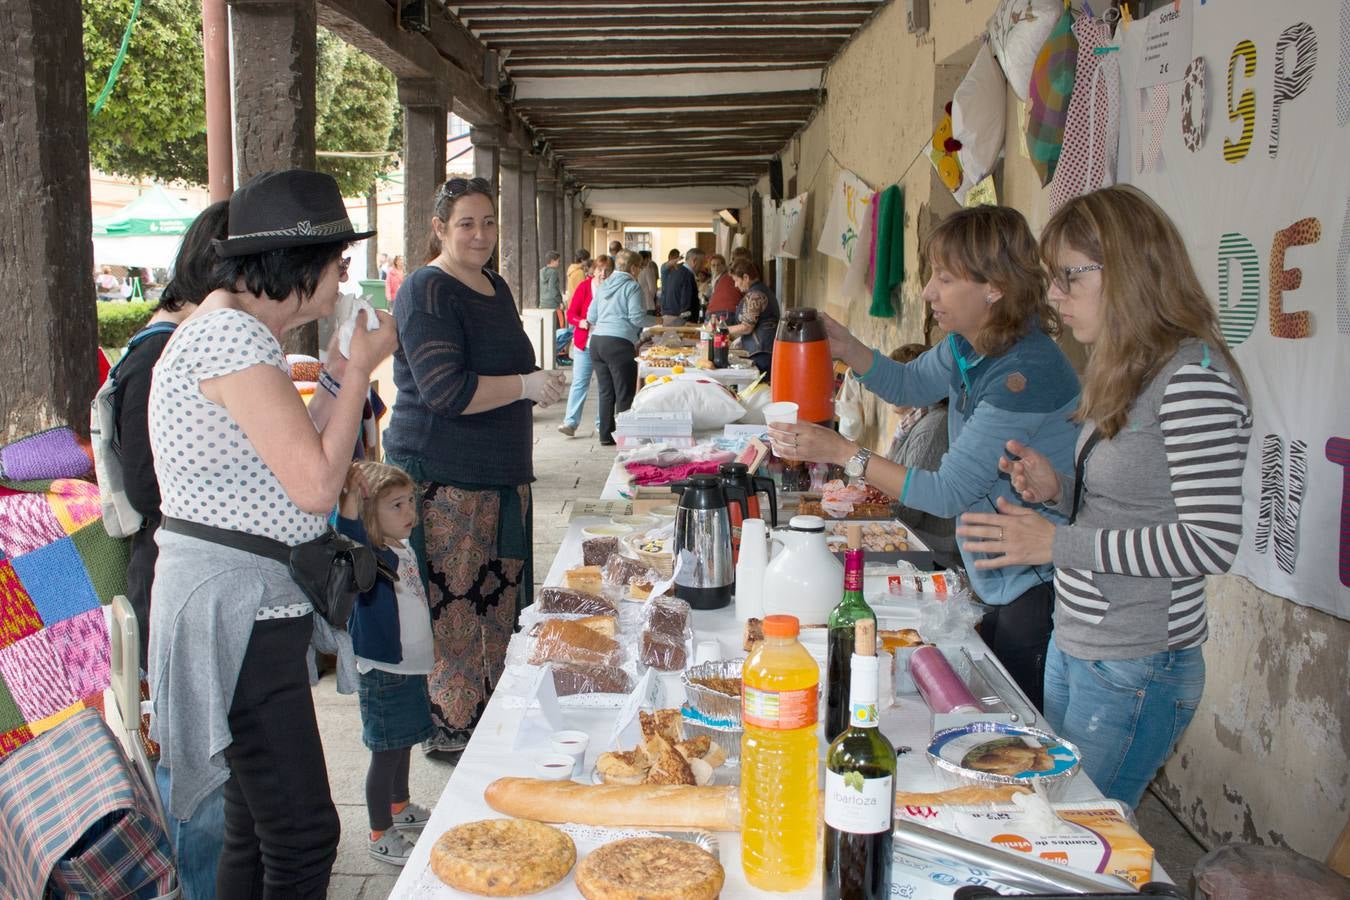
[[548, 215], [569, 244], [47, 347], [508, 219], [272, 42], [486, 147], [274, 70], [529, 231], [560, 225], [425, 105]]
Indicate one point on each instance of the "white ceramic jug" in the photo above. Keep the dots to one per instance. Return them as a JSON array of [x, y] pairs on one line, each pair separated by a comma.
[[803, 579]]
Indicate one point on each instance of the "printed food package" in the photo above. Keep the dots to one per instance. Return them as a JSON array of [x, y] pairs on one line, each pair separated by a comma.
[[1093, 836]]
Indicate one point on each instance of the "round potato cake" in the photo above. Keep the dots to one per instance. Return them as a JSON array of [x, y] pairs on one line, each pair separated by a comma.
[[503, 857], [650, 869]]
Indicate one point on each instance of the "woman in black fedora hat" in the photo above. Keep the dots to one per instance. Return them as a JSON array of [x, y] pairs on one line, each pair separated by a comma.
[[237, 454], [463, 427]]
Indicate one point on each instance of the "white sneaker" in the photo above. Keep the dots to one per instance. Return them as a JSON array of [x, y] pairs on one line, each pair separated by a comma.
[[392, 847]]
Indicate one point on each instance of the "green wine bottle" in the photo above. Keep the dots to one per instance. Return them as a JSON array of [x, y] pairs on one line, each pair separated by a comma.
[[851, 610], [860, 790]]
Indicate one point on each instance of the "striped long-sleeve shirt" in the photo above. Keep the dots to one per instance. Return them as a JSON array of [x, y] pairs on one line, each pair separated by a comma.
[[1161, 508]]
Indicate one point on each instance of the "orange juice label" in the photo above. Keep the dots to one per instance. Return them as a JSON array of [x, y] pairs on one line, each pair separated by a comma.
[[779, 710]]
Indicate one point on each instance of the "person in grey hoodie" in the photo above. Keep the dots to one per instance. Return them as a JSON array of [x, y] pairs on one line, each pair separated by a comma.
[[1153, 500], [616, 319]]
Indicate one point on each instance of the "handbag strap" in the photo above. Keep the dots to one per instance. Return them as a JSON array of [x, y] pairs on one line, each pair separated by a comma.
[[1079, 465], [249, 543]]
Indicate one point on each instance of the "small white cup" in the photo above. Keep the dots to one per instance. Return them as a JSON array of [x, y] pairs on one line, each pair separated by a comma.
[[554, 766], [571, 744], [782, 412], [707, 651]]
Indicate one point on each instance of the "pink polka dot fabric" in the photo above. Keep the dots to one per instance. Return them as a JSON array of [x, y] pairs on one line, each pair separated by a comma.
[[1092, 128]]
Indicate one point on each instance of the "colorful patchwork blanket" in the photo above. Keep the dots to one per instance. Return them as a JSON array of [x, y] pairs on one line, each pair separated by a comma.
[[58, 567]]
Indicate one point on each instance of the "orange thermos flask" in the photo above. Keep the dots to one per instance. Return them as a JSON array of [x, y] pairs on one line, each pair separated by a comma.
[[803, 371]]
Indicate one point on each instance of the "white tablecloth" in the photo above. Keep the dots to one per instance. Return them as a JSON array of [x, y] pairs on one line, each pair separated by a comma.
[[742, 378], [490, 755]]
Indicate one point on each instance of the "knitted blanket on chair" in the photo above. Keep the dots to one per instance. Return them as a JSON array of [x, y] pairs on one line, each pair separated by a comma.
[[58, 568]]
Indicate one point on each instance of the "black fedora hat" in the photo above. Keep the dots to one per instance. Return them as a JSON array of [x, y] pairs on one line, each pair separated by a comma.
[[295, 208]]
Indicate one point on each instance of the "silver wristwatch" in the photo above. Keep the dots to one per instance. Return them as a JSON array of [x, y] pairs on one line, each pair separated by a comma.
[[856, 467]]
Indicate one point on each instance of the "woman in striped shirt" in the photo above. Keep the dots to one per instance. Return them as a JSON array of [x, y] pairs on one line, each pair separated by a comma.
[[1155, 498]]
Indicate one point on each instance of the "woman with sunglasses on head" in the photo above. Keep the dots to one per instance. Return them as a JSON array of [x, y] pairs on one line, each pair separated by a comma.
[[1003, 376], [1153, 498], [463, 427]]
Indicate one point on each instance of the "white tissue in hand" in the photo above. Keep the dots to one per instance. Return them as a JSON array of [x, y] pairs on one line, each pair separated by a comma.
[[348, 306]]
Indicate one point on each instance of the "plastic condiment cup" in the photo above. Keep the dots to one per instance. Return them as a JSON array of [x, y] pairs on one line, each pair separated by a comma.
[[554, 766], [783, 412], [571, 744]]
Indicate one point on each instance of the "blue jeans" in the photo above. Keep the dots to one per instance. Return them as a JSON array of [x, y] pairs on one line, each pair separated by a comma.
[[581, 385], [1125, 715], [197, 841]]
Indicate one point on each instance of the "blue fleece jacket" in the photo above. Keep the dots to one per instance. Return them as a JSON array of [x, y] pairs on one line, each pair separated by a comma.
[[1027, 394], [617, 309], [374, 624]]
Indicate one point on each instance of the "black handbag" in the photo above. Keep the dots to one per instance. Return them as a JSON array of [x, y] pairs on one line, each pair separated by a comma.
[[331, 569]]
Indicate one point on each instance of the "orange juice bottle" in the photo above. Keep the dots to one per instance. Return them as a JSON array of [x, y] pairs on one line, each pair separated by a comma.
[[779, 760]]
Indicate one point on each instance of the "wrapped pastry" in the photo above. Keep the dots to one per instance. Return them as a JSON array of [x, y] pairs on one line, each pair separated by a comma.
[[569, 680], [669, 618], [557, 600]]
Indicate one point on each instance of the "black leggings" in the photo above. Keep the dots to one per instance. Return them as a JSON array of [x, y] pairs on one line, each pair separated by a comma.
[[386, 783], [1019, 633], [281, 828], [615, 362]]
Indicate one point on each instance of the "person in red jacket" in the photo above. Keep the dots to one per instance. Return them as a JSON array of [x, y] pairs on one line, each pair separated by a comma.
[[577, 309], [724, 295]]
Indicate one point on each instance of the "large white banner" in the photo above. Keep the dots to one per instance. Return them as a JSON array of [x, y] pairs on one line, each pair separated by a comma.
[[1249, 150]]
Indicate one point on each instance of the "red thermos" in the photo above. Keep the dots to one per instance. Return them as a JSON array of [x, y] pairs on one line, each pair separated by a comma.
[[803, 370]]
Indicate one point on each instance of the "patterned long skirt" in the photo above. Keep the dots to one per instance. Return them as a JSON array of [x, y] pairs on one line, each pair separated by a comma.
[[477, 548]]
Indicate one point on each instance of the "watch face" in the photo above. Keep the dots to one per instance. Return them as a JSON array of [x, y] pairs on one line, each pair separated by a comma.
[[853, 468]]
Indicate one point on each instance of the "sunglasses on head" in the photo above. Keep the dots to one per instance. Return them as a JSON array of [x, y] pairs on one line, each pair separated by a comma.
[[456, 186]]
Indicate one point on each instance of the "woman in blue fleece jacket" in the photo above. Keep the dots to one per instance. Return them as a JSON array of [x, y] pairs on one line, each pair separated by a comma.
[[391, 634], [1004, 377]]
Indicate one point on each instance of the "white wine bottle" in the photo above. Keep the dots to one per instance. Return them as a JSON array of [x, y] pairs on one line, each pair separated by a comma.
[[860, 789]]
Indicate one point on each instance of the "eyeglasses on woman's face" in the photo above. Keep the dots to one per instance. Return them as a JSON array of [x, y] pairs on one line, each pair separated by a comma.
[[1062, 277]]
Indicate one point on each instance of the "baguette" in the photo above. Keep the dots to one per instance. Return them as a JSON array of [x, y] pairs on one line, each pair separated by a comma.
[[636, 805]]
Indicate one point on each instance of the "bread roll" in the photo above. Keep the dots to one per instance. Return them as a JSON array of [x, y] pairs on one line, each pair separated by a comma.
[[962, 796], [716, 808]]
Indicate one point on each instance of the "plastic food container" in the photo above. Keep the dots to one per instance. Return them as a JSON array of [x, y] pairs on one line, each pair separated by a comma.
[[607, 530], [995, 754], [726, 737]]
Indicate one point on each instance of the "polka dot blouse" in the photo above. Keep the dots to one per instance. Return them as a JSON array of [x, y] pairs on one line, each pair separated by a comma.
[[208, 470]]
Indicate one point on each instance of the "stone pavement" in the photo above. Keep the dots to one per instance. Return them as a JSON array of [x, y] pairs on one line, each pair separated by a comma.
[[565, 469]]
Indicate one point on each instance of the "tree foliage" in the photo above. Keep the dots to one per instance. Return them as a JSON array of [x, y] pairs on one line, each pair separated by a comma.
[[154, 123]]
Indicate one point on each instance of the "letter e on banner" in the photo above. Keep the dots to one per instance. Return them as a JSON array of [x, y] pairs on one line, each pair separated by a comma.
[[1282, 324]]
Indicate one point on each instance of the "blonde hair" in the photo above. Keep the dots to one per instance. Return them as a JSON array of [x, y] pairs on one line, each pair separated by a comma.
[[994, 245], [381, 478], [1152, 299]]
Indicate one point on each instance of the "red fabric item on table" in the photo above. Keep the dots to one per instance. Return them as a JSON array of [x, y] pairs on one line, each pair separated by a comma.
[[724, 297], [577, 309], [646, 474]]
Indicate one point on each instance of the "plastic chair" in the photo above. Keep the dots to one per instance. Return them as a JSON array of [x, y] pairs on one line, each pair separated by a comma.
[[125, 639]]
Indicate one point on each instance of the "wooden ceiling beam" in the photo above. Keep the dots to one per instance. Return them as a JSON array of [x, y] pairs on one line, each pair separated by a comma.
[[573, 69], [600, 104], [526, 37], [746, 46], [842, 13]]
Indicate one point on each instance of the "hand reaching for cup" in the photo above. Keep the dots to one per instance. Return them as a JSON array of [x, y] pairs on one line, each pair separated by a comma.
[[543, 387], [1033, 476]]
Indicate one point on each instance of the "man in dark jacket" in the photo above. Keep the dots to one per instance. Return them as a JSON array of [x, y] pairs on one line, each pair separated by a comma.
[[679, 296]]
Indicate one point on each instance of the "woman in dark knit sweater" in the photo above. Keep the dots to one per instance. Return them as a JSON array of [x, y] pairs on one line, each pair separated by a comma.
[[462, 426], [1154, 500]]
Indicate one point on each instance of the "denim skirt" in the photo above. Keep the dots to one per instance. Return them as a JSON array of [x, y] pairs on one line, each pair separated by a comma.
[[395, 710]]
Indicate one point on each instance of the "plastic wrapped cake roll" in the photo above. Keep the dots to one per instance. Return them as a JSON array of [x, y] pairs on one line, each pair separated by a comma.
[[942, 689], [557, 600]]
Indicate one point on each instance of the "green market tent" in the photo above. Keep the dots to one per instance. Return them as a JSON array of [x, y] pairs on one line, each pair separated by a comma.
[[145, 232]]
